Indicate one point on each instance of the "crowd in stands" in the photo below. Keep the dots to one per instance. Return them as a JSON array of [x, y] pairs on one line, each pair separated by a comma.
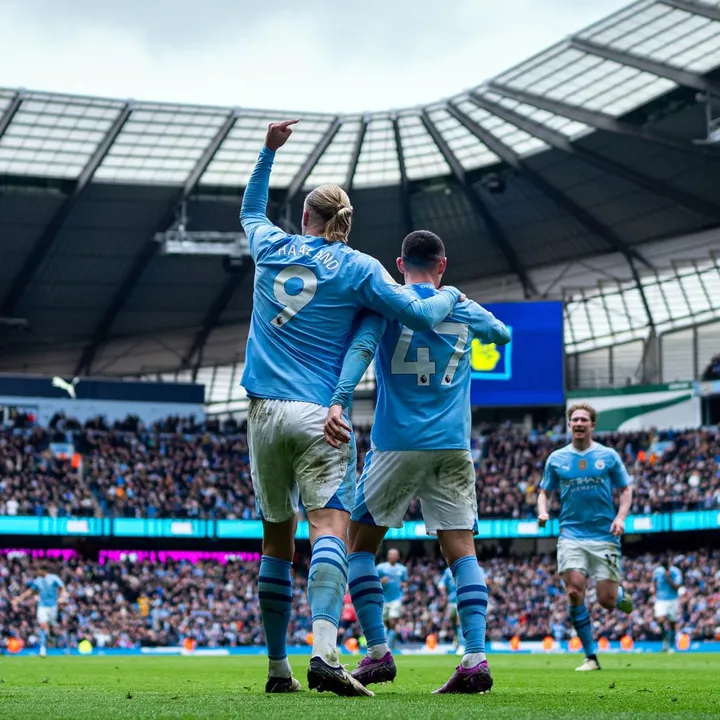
[[182, 468], [133, 604]]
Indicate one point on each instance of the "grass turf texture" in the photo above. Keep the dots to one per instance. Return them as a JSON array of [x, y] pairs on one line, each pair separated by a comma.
[[629, 686]]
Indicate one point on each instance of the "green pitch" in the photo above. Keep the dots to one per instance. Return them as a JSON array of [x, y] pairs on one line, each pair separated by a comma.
[[629, 686]]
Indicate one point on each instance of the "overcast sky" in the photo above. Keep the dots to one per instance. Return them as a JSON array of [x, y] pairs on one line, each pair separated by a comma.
[[324, 55]]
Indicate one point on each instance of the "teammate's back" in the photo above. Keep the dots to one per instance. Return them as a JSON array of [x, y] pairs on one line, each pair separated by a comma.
[[423, 378], [308, 292]]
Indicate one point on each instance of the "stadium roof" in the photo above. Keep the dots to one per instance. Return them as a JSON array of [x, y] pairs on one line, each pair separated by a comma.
[[598, 145]]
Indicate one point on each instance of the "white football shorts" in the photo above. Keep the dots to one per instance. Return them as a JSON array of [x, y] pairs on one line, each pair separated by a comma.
[[47, 615], [669, 609], [392, 610], [594, 558], [444, 480], [290, 460]]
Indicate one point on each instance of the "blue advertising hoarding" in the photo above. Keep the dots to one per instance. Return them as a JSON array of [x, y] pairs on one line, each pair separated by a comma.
[[252, 529], [529, 369]]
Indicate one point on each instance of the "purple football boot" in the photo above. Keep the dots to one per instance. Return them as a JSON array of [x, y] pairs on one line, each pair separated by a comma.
[[468, 680], [371, 671]]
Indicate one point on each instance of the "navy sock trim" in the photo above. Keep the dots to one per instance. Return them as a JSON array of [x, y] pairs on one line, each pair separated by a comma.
[[363, 579], [264, 595], [274, 581]]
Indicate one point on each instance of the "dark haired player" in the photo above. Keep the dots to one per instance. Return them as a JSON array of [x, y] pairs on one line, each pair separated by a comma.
[[420, 446]]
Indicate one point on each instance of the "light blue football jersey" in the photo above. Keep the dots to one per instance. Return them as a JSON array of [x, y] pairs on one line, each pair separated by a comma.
[[423, 378], [47, 588], [306, 300], [586, 480], [397, 574], [448, 582], [663, 589]]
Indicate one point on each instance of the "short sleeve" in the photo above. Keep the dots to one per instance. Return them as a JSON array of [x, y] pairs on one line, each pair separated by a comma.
[[676, 575], [58, 582], [550, 479], [618, 473], [379, 291]]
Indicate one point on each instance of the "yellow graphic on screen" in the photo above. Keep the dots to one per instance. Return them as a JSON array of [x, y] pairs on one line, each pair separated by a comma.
[[484, 358]]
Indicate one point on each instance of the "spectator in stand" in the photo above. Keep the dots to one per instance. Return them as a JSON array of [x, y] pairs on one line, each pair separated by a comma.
[[182, 468], [135, 604]]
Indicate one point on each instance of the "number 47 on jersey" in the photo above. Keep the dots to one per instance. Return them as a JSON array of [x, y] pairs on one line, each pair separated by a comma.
[[423, 367]]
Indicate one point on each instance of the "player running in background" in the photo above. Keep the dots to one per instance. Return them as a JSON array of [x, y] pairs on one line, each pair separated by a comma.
[[393, 576], [420, 446], [50, 591], [448, 589], [667, 579], [308, 291], [586, 473]]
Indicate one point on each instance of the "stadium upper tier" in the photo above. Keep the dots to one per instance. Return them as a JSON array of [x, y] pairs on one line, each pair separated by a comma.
[[603, 143]]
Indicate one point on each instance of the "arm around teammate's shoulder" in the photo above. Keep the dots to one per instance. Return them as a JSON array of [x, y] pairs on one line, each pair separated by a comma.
[[378, 291]]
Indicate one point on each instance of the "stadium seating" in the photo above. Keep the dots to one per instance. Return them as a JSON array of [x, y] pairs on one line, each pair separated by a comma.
[[185, 470], [126, 604]]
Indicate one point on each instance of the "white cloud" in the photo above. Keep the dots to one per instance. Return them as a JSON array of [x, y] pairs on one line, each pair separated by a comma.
[[319, 55]]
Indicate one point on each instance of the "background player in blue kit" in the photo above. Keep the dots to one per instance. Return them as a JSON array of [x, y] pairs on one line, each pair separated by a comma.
[[308, 294], [667, 579], [420, 446], [50, 590], [586, 473], [393, 576], [448, 588]]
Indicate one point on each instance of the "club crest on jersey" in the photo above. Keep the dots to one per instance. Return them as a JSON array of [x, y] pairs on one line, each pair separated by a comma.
[[582, 464], [599, 464]]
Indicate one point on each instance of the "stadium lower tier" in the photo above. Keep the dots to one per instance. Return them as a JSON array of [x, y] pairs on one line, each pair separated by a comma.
[[131, 602], [181, 470]]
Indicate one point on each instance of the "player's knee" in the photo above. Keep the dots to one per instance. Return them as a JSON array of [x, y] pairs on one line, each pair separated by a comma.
[[328, 522], [575, 595]]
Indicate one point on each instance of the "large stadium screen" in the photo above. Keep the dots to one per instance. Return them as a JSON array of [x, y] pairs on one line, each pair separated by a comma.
[[529, 369]]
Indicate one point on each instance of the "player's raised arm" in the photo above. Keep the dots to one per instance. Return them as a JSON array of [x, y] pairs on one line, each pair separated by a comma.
[[357, 359], [378, 291], [486, 327], [253, 212]]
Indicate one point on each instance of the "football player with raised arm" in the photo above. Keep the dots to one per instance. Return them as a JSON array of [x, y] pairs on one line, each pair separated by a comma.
[[312, 293]]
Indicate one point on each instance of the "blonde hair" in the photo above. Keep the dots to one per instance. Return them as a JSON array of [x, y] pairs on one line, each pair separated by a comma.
[[589, 409], [329, 205]]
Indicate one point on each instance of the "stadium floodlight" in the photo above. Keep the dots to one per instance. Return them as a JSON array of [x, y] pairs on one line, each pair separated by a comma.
[[178, 240]]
